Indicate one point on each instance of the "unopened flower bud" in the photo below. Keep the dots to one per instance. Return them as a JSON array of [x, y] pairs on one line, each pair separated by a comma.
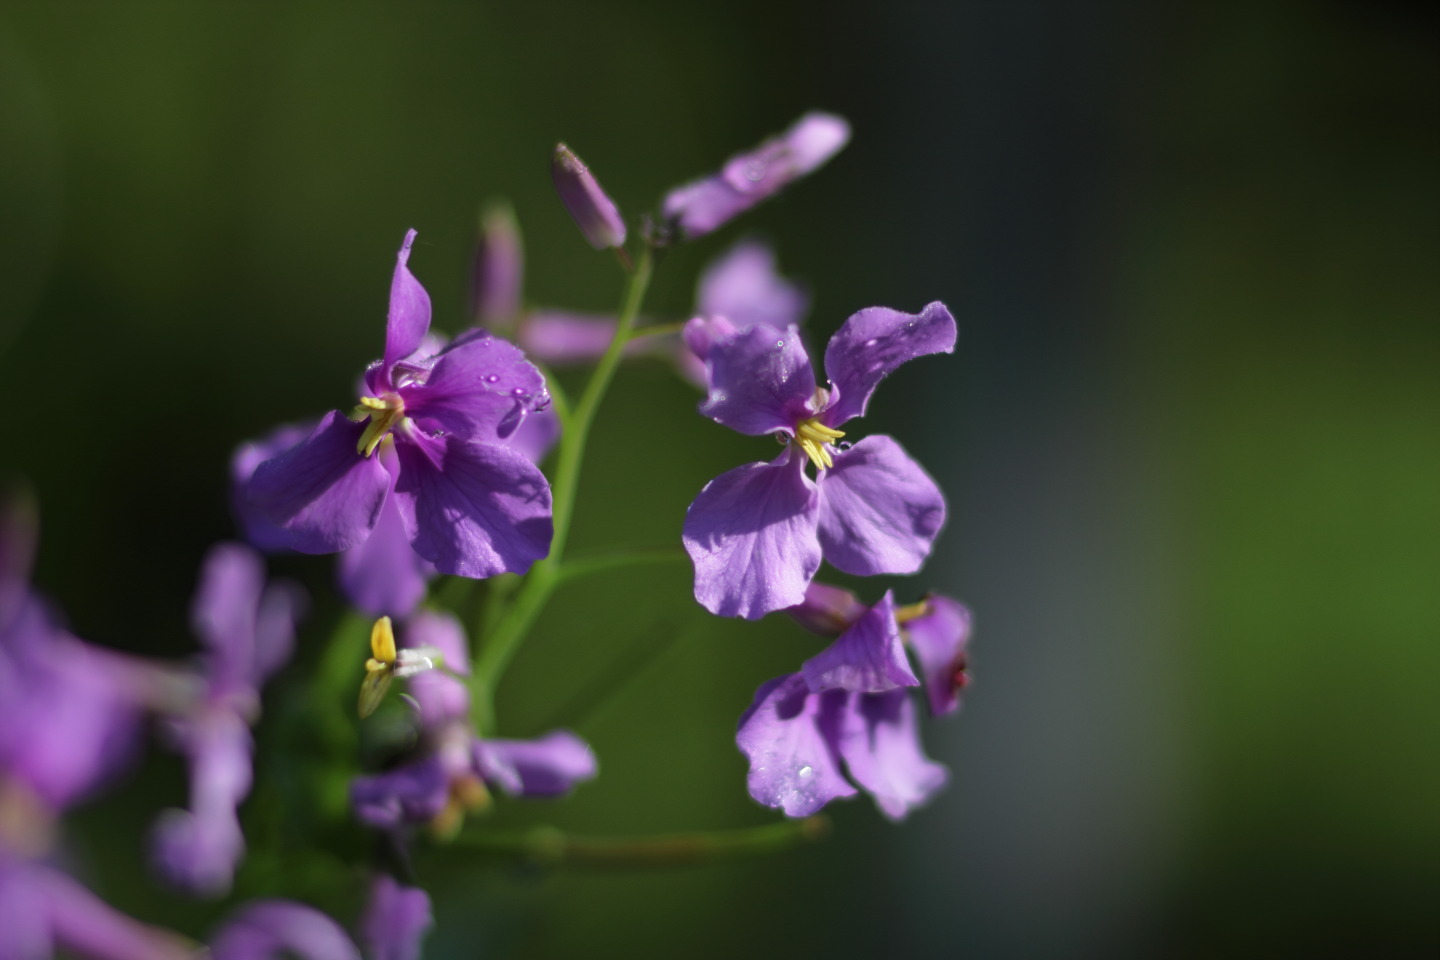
[[595, 213], [498, 268]]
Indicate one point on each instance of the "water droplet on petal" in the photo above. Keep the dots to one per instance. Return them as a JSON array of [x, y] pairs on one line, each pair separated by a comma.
[[844, 445], [871, 342], [492, 378], [806, 772]]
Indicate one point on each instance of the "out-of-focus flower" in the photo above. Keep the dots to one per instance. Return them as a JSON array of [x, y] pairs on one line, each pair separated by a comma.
[[395, 921], [276, 929], [468, 502], [497, 275], [757, 533], [246, 628], [592, 209], [452, 769], [747, 178]]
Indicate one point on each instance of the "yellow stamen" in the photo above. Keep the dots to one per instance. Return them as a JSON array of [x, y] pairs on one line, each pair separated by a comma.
[[379, 669], [912, 611], [382, 641], [383, 413], [815, 438]]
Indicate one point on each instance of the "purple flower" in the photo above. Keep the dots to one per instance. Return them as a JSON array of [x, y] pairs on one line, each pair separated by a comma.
[[246, 628], [757, 534], [497, 274], [594, 212], [846, 711], [452, 769], [272, 929], [395, 921], [468, 502], [748, 178]]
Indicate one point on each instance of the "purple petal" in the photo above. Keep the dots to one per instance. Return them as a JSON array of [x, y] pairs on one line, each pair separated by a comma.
[[872, 344], [867, 658], [442, 698], [793, 763], [24, 926], [198, 849], [747, 178], [536, 435], [879, 511], [323, 493], [702, 333], [751, 535], [272, 929], [561, 338], [382, 575], [473, 509], [881, 748], [413, 793], [498, 269], [743, 287], [222, 613], [480, 387], [254, 526], [409, 318], [940, 638], [550, 766], [826, 610], [395, 920], [761, 381], [594, 212], [83, 925]]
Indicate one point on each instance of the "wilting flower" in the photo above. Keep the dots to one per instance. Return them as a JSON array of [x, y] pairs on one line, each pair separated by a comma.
[[468, 501], [757, 533], [848, 705], [453, 769], [395, 921], [272, 929], [748, 178], [246, 627], [592, 209]]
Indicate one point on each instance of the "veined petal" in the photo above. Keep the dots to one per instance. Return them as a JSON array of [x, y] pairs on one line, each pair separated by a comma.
[[409, 318], [751, 535], [881, 747], [395, 920], [546, 767], [414, 793], [473, 509], [743, 286], [940, 637], [793, 765], [867, 658], [761, 381], [382, 575], [480, 387], [879, 512], [266, 929], [872, 344], [323, 493]]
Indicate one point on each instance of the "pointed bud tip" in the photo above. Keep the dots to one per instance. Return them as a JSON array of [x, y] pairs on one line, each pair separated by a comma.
[[592, 209]]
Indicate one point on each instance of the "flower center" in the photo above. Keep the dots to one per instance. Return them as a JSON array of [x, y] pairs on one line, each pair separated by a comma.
[[815, 438], [383, 413]]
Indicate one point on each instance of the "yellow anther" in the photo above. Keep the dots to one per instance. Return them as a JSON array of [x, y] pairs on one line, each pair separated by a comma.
[[815, 438], [382, 641], [383, 413], [912, 611], [380, 668]]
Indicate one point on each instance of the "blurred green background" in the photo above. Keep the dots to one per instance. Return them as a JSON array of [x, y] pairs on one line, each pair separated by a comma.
[[1191, 435]]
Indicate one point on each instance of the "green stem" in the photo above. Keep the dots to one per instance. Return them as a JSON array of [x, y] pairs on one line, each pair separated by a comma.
[[550, 847], [500, 646]]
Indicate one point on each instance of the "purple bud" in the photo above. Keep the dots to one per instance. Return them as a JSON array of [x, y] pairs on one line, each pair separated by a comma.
[[826, 610], [595, 213], [498, 269]]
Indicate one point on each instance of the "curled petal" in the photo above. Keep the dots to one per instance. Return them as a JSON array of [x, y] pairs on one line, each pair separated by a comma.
[[414, 793], [940, 637], [787, 737], [881, 747], [872, 344], [409, 318], [867, 658], [271, 929], [324, 494], [473, 509], [879, 511], [744, 287], [395, 920], [761, 381], [548, 767], [751, 535], [481, 387]]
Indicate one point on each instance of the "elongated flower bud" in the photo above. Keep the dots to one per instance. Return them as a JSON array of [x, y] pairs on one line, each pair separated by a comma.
[[595, 213], [498, 268]]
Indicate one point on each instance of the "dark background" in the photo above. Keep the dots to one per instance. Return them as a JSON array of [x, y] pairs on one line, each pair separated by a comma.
[[1189, 436]]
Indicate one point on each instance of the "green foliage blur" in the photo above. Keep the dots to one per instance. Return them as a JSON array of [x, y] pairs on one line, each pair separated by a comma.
[[1189, 436]]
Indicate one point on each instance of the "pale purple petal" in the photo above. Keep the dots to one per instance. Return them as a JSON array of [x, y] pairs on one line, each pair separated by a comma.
[[549, 766], [80, 924], [254, 526], [536, 435], [473, 509], [826, 610], [702, 333], [414, 793], [881, 747], [409, 318], [395, 920], [867, 658], [276, 929], [872, 344], [481, 387], [594, 212], [443, 632], [793, 765], [879, 511], [198, 849], [743, 287], [441, 697], [761, 381], [940, 637], [560, 337], [223, 612], [321, 491], [282, 605], [498, 270], [751, 535], [24, 926], [748, 178], [382, 575]]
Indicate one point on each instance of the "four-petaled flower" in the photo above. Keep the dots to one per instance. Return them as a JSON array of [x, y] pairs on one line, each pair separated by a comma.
[[757, 533]]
